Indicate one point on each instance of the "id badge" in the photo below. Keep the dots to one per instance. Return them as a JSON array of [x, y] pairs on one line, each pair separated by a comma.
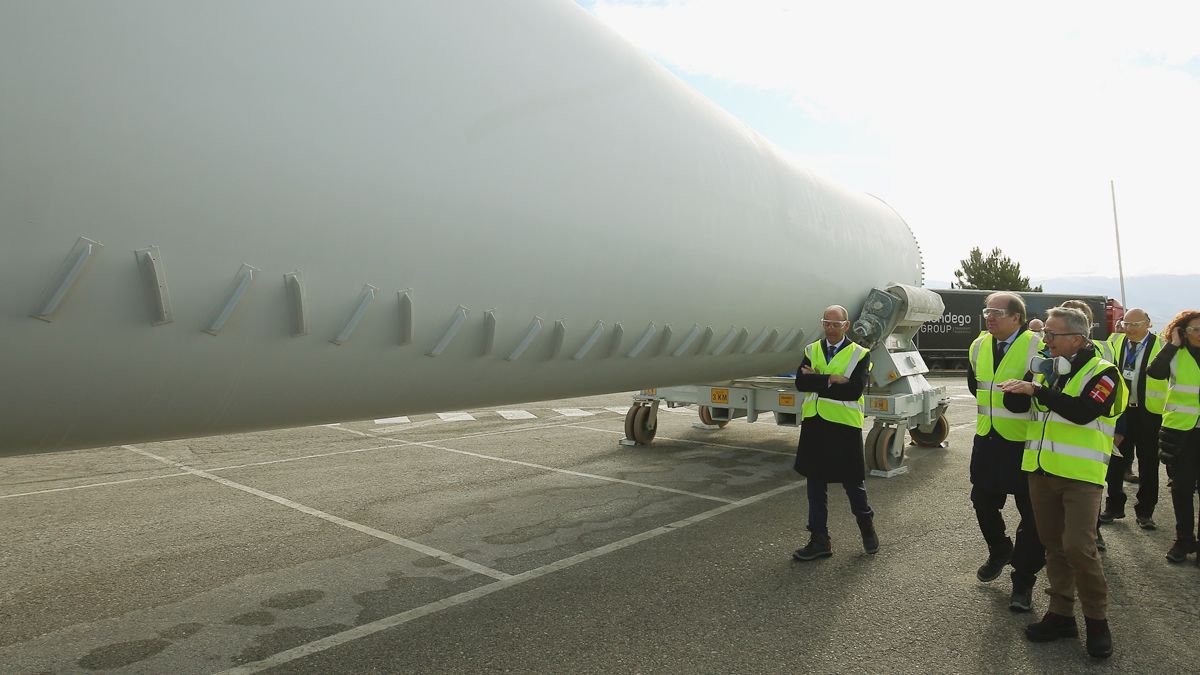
[[1128, 374]]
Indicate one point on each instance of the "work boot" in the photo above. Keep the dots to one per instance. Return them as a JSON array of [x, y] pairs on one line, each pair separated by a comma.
[[866, 525], [819, 546], [1180, 550], [1099, 639], [1111, 513], [1131, 477], [996, 561], [1052, 627], [1146, 523], [1022, 599]]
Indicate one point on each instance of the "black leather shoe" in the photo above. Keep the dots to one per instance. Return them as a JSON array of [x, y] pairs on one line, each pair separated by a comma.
[[1099, 639], [1052, 627], [1131, 477], [1022, 600], [1146, 523], [991, 569], [819, 546], [1110, 514], [866, 526], [1180, 550], [1100, 545]]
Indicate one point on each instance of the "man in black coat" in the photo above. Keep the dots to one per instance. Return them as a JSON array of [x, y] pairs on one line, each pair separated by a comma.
[[834, 374], [1003, 353]]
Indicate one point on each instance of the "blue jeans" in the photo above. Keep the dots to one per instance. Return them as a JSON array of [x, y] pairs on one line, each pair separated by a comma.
[[818, 504]]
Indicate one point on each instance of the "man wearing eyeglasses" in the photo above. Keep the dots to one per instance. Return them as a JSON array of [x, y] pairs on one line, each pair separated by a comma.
[[1076, 407], [834, 375], [1137, 429], [1003, 353]]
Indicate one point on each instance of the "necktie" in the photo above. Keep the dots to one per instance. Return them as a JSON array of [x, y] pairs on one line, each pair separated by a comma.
[[1131, 355]]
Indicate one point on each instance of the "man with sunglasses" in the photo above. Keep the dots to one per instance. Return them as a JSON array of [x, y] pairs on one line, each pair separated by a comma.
[[1137, 430], [1076, 403], [1003, 353], [834, 376]]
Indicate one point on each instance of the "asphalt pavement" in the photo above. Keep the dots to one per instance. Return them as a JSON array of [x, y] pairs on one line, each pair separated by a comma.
[[525, 539]]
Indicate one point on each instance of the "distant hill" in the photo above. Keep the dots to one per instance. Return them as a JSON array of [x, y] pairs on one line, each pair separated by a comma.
[[1161, 295]]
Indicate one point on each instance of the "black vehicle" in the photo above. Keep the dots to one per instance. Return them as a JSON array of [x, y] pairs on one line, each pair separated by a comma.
[[944, 343]]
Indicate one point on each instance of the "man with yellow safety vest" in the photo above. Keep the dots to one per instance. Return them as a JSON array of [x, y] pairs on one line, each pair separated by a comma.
[[1137, 429], [1003, 353], [834, 375], [1179, 440], [1076, 399]]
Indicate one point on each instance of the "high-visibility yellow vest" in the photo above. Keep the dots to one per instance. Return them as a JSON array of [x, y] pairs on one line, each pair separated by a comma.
[[1156, 390], [1104, 349], [1076, 451], [844, 362], [989, 400], [1183, 392]]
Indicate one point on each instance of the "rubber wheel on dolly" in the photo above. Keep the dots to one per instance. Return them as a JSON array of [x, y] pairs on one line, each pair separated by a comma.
[[869, 449], [706, 418], [629, 417], [642, 431], [933, 439], [884, 460]]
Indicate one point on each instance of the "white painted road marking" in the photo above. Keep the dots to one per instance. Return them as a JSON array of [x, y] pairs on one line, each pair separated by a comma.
[[618, 410], [580, 474], [328, 517], [393, 420], [573, 412], [456, 417], [684, 440], [516, 414], [402, 618]]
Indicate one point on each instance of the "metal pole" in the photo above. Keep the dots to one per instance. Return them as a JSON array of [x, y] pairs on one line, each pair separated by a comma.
[[1117, 228]]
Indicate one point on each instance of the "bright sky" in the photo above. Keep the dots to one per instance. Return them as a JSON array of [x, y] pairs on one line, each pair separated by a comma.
[[983, 125]]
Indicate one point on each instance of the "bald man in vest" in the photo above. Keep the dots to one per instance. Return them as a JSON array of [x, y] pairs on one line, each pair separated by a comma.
[[1137, 430], [833, 375]]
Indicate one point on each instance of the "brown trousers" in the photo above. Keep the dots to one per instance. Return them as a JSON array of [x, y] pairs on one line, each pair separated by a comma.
[[1065, 511]]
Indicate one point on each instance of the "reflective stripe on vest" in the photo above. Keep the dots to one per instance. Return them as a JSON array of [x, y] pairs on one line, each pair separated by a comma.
[[1076, 451], [1156, 390], [844, 362], [989, 400], [1182, 409]]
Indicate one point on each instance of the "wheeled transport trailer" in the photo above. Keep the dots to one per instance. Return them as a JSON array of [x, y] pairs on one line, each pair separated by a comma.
[[898, 396]]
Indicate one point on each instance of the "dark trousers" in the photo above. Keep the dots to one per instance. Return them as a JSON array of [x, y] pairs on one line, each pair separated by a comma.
[[1028, 554], [1141, 440], [1186, 477], [818, 504]]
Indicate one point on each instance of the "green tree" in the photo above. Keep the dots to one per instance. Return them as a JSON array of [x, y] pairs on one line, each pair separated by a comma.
[[996, 272]]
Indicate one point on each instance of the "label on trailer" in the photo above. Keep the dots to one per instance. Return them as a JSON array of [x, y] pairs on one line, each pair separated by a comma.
[[720, 396], [787, 400], [649, 392], [880, 404]]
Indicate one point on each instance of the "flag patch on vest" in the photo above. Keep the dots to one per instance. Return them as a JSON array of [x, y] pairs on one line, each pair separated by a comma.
[[1103, 389]]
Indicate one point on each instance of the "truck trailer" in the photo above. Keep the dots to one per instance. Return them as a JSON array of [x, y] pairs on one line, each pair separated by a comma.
[[944, 343]]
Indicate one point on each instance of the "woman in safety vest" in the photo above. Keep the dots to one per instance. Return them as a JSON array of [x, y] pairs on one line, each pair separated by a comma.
[[1179, 440]]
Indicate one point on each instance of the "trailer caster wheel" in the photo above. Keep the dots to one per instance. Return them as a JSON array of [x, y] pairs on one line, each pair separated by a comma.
[[884, 460], [706, 418], [869, 449], [933, 439], [643, 432], [629, 419]]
